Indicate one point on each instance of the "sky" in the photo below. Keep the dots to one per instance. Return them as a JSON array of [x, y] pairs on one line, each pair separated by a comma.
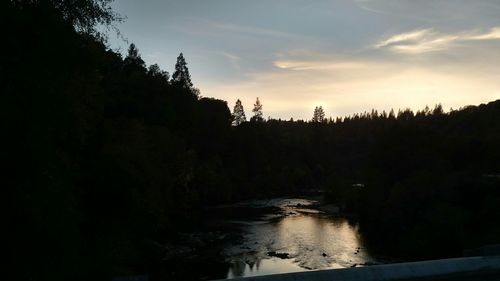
[[347, 56]]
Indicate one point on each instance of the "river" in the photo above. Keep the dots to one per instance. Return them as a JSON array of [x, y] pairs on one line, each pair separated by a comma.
[[295, 236]]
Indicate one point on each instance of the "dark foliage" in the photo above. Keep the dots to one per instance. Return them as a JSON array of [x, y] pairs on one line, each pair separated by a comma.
[[319, 114], [84, 15], [257, 112], [238, 114], [181, 74], [105, 159]]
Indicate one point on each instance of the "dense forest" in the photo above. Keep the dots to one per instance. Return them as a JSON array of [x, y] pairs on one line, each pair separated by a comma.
[[105, 158]]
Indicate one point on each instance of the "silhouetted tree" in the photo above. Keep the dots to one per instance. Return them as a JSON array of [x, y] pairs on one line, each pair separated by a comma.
[[438, 110], [196, 92], [181, 74], [84, 15], [319, 114], [155, 71], [133, 57], [391, 115], [257, 112], [405, 114], [238, 114]]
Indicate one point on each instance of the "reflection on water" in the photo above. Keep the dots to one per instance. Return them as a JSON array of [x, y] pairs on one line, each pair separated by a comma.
[[301, 239], [266, 266]]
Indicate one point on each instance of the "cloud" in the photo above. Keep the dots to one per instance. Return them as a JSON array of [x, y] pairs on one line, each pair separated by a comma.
[[301, 65], [427, 40], [293, 94], [252, 30], [234, 60], [362, 4], [405, 37], [348, 83], [432, 11], [493, 34], [199, 26], [344, 83], [347, 56]]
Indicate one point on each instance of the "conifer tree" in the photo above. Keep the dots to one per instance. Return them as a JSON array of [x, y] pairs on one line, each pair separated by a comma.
[[257, 112], [391, 114], [133, 57], [319, 114], [438, 110], [155, 71], [181, 74], [238, 114]]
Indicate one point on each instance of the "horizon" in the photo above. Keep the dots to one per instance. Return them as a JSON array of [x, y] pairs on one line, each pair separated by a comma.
[[346, 56]]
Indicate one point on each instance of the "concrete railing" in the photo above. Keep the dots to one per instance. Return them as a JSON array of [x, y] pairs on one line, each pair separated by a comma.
[[452, 268]]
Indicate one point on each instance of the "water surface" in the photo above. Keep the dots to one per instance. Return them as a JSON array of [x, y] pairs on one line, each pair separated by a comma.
[[297, 238]]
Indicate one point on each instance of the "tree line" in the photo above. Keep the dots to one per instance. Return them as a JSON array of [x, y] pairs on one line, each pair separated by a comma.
[[238, 115], [106, 158]]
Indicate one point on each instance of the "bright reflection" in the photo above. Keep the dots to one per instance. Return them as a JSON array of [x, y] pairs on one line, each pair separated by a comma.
[[261, 266], [306, 239]]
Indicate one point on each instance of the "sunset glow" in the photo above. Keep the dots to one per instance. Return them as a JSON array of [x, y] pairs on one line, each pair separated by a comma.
[[347, 55]]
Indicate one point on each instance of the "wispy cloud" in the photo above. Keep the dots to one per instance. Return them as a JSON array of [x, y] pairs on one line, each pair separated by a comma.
[[346, 55], [428, 40], [406, 37], [345, 84], [210, 27], [234, 60], [493, 34], [301, 65], [362, 4], [252, 30], [343, 88]]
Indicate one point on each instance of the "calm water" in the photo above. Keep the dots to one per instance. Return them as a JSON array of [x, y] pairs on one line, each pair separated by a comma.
[[299, 238]]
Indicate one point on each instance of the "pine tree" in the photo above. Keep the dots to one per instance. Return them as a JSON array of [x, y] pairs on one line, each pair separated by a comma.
[[319, 114], [315, 115], [133, 57], [238, 114], [391, 114], [438, 110], [155, 71], [257, 112], [181, 75]]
